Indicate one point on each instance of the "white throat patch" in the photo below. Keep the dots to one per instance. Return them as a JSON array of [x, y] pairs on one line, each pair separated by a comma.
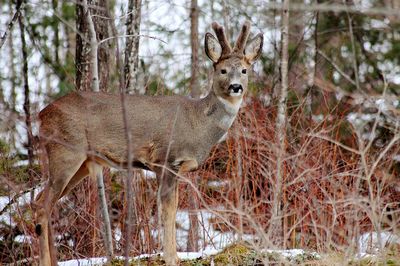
[[232, 108]]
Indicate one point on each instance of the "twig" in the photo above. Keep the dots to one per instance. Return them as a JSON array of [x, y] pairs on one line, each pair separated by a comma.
[[17, 14], [131, 36], [341, 72], [17, 196], [335, 8], [353, 48]]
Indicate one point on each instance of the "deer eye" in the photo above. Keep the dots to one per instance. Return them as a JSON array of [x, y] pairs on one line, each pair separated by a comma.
[[223, 71], [244, 71]]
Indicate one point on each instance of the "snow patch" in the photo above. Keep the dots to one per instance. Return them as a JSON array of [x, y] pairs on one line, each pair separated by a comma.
[[291, 253], [373, 242]]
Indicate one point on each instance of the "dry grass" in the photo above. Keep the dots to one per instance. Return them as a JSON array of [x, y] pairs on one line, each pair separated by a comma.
[[334, 190]]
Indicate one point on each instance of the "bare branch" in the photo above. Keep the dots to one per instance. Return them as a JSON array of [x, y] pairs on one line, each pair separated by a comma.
[[17, 14], [335, 8]]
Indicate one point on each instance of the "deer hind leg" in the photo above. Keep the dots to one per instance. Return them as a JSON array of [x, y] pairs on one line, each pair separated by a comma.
[[63, 165]]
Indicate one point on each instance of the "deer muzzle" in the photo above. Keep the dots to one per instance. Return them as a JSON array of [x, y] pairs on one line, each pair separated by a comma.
[[235, 89]]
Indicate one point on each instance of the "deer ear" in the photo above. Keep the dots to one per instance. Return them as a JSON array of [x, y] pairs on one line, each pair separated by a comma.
[[253, 49], [213, 48]]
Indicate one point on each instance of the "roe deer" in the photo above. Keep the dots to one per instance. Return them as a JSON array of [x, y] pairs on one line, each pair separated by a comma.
[[84, 131]]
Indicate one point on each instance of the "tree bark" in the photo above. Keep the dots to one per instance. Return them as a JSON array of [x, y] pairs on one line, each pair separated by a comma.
[[276, 217], [13, 98], [195, 90], [132, 46], [83, 55]]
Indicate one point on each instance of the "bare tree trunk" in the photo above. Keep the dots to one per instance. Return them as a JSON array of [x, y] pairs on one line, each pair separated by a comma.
[[131, 70], [118, 59], [27, 103], [312, 68], [13, 78], [195, 90], [277, 215], [132, 46], [89, 76], [56, 40], [82, 53]]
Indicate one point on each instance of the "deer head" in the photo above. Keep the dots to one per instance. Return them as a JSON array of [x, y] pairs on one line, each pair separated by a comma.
[[231, 66]]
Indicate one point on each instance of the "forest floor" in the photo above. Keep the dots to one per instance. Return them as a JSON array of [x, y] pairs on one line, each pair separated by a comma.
[[219, 250], [241, 254]]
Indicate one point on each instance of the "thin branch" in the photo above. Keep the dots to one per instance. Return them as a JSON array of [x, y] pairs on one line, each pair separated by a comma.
[[131, 36], [336, 143], [353, 47], [335, 8], [341, 72], [17, 14]]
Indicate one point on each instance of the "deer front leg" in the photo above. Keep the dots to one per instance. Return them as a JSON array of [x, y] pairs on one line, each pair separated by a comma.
[[168, 204]]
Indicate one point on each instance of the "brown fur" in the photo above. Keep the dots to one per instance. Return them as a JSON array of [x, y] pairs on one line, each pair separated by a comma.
[[219, 31], [81, 132]]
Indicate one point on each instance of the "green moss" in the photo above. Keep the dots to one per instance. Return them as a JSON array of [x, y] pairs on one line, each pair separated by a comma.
[[232, 255]]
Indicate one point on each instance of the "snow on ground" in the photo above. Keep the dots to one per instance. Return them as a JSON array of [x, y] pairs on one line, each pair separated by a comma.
[[288, 253], [84, 262], [373, 242], [291, 253], [103, 260]]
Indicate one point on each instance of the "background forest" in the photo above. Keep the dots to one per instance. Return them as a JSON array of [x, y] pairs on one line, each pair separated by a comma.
[[311, 162]]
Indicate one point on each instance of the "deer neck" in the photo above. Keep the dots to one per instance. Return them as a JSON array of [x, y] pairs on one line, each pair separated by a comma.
[[220, 110]]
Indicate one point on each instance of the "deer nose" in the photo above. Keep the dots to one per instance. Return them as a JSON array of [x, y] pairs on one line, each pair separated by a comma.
[[235, 88]]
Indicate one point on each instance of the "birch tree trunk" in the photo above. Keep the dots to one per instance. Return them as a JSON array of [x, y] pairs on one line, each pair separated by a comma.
[[92, 73], [277, 214]]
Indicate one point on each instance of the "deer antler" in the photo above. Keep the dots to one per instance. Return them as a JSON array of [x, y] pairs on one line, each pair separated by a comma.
[[219, 31], [242, 38]]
